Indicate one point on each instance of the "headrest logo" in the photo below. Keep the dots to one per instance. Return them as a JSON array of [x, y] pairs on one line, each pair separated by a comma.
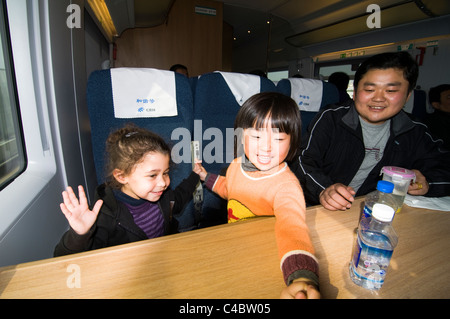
[[303, 100], [143, 105], [145, 101]]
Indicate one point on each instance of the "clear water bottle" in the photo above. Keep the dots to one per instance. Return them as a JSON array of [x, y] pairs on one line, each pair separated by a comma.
[[383, 195], [373, 248]]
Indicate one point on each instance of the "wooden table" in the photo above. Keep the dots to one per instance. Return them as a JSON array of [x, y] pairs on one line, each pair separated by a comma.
[[240, 261]]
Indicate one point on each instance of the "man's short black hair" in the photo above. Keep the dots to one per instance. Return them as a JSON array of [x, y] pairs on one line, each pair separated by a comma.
[[390, 60]]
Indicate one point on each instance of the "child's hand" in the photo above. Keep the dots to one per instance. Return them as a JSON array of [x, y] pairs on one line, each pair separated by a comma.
[[300, 290], [200, 170], [77, 213]]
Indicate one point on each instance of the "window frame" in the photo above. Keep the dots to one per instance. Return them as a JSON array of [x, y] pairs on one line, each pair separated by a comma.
[[21, 195], [12, 94]]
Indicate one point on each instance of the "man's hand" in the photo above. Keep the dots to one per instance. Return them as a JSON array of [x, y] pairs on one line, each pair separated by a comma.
[[420, 187], [337, 197]]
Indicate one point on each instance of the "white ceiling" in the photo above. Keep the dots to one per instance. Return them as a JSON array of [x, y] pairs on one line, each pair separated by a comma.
[[302, 16], [290, 17], [296, 24]]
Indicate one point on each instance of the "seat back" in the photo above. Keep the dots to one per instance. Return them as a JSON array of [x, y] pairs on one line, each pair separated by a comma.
[[104, 120], [417, 105], [310, 95], [218, 97]]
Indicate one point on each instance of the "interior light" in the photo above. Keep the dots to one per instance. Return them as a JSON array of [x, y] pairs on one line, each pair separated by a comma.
[[102, 14]]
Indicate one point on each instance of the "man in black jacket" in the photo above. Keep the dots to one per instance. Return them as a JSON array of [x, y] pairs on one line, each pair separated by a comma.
[[439, 121], [347, 145]]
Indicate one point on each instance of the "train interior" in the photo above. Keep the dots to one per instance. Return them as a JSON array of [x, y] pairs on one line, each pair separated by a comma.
[[59, 61]]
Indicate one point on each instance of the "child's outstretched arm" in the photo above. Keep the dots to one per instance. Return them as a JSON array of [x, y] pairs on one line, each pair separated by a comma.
[[219, 182], [77, 212], [200, 170]]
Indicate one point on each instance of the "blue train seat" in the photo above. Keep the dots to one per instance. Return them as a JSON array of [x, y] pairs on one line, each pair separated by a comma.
[[104, 118], [217, 99], [310, 95], [416, 106]]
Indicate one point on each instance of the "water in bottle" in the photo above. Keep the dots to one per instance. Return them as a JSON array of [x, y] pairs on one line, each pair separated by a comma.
[[373, 248]]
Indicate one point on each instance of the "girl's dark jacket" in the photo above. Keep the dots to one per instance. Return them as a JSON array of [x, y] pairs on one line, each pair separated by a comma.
[[333, 151], [115, 224]]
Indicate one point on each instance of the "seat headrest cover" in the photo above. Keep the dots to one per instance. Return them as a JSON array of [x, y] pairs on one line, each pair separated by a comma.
[[307, 93], [143, 92], [242, 85]]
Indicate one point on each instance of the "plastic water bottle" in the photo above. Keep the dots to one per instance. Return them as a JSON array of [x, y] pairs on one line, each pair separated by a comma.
[[383, 195], [373, 248]]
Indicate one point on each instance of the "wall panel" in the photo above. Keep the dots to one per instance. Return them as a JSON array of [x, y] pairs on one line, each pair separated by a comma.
[[187, 37]]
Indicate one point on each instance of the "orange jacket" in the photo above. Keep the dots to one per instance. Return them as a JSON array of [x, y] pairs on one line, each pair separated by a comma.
[[279, 194]]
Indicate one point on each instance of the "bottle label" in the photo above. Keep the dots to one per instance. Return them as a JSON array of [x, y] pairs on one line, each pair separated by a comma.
[[369, 264], [367, 212]]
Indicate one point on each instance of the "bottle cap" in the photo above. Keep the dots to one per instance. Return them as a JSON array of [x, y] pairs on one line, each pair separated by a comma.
[[385, 186], [382, 212]]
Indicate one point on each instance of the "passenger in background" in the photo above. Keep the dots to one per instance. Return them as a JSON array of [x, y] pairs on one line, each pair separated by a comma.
[[341, 80], [259, 183], [134, 204], [439, 121], [344, 152], [180, 68]]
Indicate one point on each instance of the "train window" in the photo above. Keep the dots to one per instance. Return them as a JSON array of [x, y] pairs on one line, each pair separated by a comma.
[[12, 155], [327, 70], [276, 76]]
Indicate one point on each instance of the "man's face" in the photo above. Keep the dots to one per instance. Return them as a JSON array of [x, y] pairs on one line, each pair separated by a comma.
[[381, 94]]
